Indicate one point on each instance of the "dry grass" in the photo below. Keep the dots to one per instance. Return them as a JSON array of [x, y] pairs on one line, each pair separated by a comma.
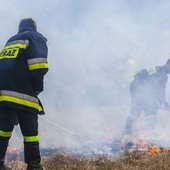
[[131, 161]]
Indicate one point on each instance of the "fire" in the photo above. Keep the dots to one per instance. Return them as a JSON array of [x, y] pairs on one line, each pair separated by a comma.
[[155, 150], [132, 143]]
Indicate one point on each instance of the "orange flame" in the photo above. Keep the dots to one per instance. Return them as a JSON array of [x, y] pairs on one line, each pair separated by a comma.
[[154, 150], [142, 145]]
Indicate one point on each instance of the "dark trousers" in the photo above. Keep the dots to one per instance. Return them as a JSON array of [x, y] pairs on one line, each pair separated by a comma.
[[141, 103], [10, 116], [28, 122]]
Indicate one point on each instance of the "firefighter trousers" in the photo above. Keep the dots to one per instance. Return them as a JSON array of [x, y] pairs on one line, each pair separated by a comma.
[[28, 122]]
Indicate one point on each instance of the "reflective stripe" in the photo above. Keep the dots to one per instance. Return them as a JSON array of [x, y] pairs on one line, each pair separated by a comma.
[[37, 60], [21, 102], [19, 95], [151, 70], [37, 66], [16, 46], [37, 63], [18, 42], [31, 138], [5, 134], [20, 98]]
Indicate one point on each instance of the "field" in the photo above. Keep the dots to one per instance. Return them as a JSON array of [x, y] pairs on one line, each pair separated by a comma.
[[135, 160]]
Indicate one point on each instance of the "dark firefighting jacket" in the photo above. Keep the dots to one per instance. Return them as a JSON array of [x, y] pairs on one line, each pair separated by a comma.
[[23, 64], [150, 84]]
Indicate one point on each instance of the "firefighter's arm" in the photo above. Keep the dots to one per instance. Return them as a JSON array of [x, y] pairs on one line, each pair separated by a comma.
[[37, 84], [37, 62]]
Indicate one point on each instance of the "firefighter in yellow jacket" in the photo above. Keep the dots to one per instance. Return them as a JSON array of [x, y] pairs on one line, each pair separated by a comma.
[[23, 64]]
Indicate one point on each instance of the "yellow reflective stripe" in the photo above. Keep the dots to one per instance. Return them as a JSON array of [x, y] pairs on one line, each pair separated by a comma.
[[5, 134], [16, 45], [38, 66], [31, 138], [18, 95], [21, 101]]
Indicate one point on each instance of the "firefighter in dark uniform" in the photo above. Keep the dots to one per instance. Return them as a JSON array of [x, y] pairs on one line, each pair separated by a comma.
[[148, 94], [23, 64]]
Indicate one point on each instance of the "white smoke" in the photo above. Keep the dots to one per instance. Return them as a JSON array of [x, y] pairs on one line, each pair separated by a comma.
[[95, 46]]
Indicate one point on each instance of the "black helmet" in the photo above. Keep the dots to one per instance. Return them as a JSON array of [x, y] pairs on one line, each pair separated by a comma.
[[27, 23]]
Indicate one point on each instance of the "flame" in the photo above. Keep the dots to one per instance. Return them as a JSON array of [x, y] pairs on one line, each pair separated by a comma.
[[154, 150], [140, 145]]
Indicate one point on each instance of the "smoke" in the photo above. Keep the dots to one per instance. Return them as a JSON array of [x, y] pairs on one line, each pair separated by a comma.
[[95, 47]]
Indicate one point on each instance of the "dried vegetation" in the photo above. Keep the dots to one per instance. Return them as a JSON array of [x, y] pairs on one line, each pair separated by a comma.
[[130, 161]]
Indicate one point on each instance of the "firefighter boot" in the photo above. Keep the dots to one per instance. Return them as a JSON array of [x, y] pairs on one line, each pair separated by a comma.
[[32, 156], [3, 148]]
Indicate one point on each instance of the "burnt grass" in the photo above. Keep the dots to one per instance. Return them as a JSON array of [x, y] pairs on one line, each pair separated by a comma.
[[135, 160]]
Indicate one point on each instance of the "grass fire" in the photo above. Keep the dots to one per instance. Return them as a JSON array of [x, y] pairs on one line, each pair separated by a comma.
[[137, 154]]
